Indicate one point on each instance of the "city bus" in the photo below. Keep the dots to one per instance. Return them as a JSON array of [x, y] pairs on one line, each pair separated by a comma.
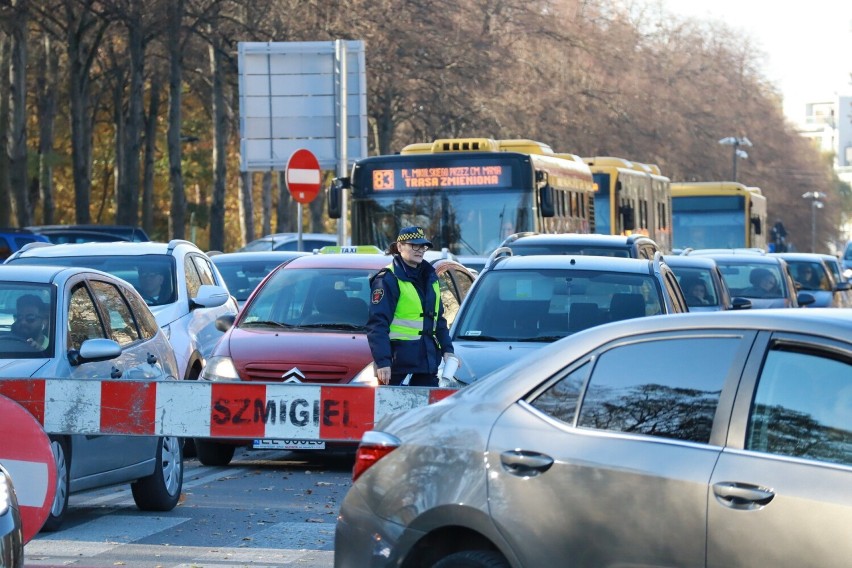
[[718, 214], [631, 198], [468, 194]]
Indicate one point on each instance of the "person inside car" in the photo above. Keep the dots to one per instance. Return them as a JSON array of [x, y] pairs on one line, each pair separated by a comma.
[[763, 284], [151, 285], [695, 292], [807, 279], [30, 323]]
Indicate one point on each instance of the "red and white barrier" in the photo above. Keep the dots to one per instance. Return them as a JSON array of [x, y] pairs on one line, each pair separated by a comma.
[[201, 409]]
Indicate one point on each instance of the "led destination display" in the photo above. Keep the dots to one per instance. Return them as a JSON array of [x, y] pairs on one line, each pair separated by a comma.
[[481, 176]]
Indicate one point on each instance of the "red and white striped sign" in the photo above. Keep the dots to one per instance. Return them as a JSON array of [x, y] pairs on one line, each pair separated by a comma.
[[303, 176], [25, 453], [201, 409]]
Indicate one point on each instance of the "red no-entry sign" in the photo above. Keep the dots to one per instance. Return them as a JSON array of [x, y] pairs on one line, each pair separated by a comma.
[[303, 176], [25, 452]]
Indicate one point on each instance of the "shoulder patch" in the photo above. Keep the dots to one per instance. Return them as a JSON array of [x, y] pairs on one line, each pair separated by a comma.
[[378, 294]]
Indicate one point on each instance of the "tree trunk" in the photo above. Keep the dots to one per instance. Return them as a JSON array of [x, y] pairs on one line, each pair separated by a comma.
[[5, 193], [220, 139], [177, 219], [127, 210], [17, 135], [80, 56], [48, 85], [120, 125], [150, 150], [248, 205], [266, 196], [284, 216]]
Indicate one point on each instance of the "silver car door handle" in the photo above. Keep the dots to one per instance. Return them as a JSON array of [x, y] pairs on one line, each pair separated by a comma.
[[521, 462], [742, 495]]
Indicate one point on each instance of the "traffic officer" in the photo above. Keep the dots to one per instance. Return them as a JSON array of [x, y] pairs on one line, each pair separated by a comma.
[[406, 329]]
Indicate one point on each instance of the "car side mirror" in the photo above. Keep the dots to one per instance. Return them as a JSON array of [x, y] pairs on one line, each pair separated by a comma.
[[225, 322], [805, 299], [740, 304]]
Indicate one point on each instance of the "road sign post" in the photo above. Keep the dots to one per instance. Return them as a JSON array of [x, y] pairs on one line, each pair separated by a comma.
[[25, 452], [303, 181]]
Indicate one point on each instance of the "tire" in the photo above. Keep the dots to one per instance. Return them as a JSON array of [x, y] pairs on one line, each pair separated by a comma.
[[473, 559], [213, 453], [62, 459], [160, 491]]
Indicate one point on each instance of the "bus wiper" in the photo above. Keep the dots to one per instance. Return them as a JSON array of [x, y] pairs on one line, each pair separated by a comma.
[[479, 338], [267, 323]]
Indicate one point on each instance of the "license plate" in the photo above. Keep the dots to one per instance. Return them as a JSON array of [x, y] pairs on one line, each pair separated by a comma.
[[275, 444]]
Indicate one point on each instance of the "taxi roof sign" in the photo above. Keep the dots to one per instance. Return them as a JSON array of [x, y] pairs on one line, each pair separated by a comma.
[[360, 249]]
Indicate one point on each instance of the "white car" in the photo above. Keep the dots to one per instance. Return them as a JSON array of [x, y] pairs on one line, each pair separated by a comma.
[[65, 322], [191, 295]]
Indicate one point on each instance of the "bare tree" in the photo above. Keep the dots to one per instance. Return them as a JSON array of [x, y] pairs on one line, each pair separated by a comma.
[[17, 134], [5, 193], [175, 42], [47, 81]]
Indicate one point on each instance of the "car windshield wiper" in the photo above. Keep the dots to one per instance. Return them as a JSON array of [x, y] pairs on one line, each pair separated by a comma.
[[341, 325], [268, 323], [543, 338], [479, 338]]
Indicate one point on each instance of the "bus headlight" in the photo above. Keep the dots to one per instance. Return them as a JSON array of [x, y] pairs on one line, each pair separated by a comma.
[[220, 369]]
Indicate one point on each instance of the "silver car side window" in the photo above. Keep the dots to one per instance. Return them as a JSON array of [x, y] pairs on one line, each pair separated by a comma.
[[639, 388], [803, 406]]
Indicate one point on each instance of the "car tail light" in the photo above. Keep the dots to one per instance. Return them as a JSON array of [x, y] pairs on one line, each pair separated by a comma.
[[373, 447]]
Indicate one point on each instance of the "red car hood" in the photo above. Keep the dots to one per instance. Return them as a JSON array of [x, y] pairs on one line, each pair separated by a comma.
[[311, 357]]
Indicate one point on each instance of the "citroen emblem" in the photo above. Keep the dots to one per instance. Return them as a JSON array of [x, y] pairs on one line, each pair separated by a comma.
[[294, 375]]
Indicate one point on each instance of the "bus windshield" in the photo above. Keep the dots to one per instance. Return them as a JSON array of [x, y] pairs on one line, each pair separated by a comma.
[[709, 222], [464, 223]]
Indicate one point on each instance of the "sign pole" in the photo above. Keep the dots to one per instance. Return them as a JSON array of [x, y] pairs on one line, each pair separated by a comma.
[[299, 225], [342, 136]]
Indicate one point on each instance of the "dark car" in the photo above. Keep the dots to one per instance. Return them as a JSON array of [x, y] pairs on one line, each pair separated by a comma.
[[305, 323], [12, 240], [520, 303], [700, 271], [709, 439], [74, 233], [632, 246]]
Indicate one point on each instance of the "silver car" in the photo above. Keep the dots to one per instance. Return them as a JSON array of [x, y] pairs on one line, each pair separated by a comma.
[[696, 440], [520, 303], [58, 322]]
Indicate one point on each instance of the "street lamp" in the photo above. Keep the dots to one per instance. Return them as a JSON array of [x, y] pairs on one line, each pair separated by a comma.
[[815, 197], [736, 142]]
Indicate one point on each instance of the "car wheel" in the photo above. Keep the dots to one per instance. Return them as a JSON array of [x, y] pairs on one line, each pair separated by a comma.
[[213, 453], [62, 459], [160, 491], [473, 559]]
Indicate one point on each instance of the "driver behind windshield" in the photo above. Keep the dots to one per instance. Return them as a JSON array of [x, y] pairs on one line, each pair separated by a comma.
[[31, 322]]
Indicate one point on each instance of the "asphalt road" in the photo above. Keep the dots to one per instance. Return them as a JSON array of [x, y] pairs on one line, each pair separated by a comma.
[[267, 508]]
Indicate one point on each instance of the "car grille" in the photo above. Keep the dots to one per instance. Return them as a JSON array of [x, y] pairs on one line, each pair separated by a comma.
[[314, 374]]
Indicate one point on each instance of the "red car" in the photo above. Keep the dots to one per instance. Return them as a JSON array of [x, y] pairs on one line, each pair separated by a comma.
[[305, 324]]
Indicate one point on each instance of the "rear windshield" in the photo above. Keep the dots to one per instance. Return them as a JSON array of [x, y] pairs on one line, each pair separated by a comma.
[[545, 305]]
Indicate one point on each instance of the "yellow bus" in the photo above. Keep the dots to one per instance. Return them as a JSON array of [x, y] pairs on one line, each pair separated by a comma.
[[718, 214], [631, 198], [468, 194]]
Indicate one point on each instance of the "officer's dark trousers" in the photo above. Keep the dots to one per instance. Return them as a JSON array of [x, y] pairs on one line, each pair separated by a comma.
[[417, 379]]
